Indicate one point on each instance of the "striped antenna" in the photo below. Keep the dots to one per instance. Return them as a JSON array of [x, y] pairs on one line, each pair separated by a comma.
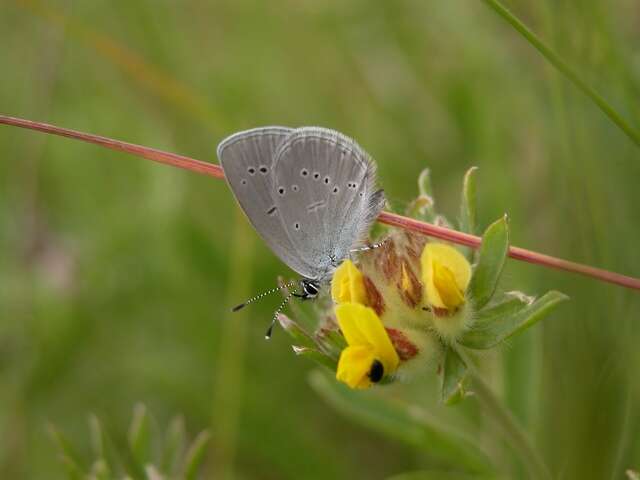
[[263, 294], [275, 315]]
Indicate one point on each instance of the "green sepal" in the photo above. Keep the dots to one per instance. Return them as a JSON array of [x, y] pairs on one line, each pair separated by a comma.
[[499, 322], [468, 202], [317, 356], [332, 341], [491, 259], [423, 207], [298, 334]]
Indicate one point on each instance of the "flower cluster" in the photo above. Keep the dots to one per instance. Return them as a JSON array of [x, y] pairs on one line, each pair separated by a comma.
[[414, 303]]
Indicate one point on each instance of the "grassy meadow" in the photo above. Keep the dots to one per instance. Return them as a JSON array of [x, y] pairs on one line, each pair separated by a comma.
[[117, 274]]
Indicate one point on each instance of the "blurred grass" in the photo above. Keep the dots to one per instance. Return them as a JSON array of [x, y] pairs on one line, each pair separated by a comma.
[[115, 277]]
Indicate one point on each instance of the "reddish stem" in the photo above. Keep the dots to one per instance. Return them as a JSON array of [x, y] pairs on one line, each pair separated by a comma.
[[385, 217]]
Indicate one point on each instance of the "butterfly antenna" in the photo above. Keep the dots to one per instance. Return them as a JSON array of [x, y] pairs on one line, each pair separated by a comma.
[[263, 294], [275, 315]]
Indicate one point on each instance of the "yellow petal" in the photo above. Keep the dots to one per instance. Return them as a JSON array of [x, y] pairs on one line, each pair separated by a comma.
[[452, 271], [362, 326], [447, 287], [354, 366], [348, 285]]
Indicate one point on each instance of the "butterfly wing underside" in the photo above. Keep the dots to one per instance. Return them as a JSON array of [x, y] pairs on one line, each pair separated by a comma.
[[325, 190], [247, 160]]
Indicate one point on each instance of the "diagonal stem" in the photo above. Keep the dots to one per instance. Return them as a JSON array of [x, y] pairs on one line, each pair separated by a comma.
[[565, 69], [388, 218], [513, 433]]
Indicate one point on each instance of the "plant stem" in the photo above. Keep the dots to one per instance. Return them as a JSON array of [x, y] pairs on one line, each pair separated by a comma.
[[388, 218], [565, 69], [512, 432]]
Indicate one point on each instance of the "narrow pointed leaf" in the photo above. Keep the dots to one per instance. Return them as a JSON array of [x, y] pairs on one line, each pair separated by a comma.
[[403, 423], [140, 435], [494, 328], [102, 449], [453, 375], [70, 458], [468, 203], [195, 455], [174, 446], [100, 470], [74, 472], [491, 258]]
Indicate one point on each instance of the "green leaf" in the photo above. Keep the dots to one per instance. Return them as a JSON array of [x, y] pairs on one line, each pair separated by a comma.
[[496, 324], [173, 447], [195, 455], [491, 258], [101, 446], [439, 475], [74, 472], [100, 470], [140, 435], [468, 203], [453, 374], [316, 356], [402, 422], [70, 458]]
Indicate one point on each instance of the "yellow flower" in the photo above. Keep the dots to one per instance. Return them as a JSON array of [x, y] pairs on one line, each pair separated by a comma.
[[348, 285], [370, 355], [445, 274]]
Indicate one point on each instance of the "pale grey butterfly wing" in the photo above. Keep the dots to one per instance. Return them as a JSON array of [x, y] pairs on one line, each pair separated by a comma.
[[247, 160], [325, 194]]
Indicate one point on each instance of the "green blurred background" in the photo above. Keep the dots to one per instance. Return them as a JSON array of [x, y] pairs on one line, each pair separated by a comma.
[[117, 274]]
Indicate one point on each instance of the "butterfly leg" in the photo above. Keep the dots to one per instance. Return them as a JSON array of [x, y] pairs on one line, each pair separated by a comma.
[[370, 246]]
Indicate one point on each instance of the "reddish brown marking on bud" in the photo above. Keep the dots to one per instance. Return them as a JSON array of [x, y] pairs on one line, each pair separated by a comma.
[[415, 245], [411, 294], [441, 312], [387, 261], [374, 297], [406, 350]]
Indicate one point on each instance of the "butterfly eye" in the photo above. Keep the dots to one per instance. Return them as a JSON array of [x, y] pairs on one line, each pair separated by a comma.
[[263, 169], [304, 172], [316, 175], [281, 190], [327, 180], [251, 170]]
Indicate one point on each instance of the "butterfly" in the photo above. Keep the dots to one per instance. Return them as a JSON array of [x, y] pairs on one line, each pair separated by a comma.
[[309, 192]]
